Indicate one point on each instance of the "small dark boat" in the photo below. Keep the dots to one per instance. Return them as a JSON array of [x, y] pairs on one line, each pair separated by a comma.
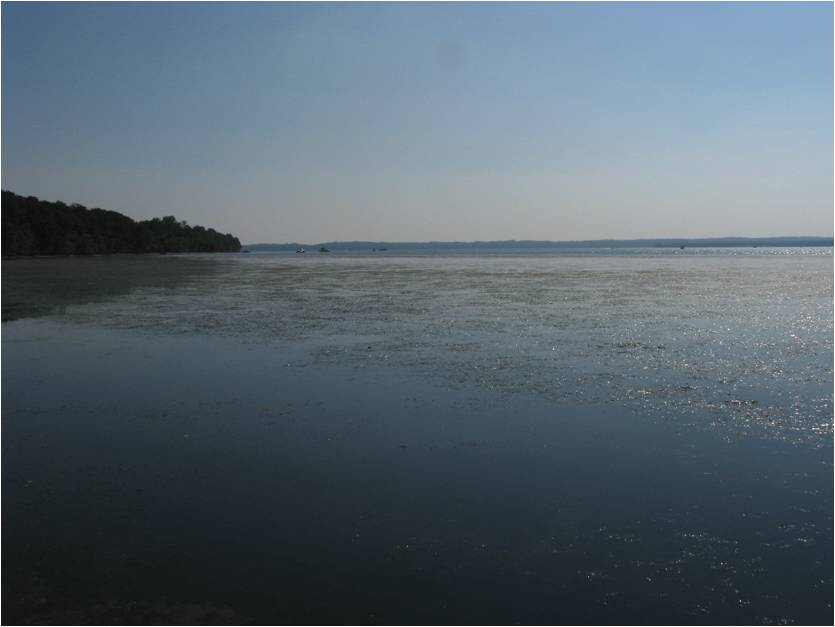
[[324, 250]]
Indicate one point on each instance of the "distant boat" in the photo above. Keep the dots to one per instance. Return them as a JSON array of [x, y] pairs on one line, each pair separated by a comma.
[[324, 250], [299, 250]]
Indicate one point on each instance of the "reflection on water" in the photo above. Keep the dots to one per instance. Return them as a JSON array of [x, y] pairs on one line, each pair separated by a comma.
[[48, 285], [550, 438]]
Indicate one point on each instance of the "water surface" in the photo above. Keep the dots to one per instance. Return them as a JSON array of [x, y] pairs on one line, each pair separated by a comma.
[[539, 438]]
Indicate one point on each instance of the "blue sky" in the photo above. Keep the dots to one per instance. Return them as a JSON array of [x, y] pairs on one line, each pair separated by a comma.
[[312, 122]]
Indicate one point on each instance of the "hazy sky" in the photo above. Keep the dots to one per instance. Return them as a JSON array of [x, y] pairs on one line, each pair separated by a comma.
[[312, 122]]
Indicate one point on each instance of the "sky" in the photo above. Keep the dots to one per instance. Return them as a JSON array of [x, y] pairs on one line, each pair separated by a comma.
[[283, 122]]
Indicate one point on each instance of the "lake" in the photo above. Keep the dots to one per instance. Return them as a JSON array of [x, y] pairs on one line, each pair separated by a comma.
[[587, 437]]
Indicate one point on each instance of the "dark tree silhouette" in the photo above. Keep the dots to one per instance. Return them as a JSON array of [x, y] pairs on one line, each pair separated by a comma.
[[37, 227]]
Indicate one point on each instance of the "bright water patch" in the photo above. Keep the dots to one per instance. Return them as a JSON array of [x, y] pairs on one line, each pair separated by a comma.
[[737, 341]]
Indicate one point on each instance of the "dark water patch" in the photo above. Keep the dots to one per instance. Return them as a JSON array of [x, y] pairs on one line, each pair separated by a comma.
[[35, 287], [194, 476]]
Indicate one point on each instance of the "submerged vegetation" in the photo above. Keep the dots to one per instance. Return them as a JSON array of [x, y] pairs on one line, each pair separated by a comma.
[[38, 227]]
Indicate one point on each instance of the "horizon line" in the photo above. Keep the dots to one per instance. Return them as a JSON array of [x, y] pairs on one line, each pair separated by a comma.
[[549, 241]]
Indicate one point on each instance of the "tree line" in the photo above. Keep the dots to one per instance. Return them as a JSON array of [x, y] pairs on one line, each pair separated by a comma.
[[37, 227]]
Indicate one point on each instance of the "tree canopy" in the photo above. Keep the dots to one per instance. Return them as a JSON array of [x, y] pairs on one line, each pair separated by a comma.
[[37, 227]]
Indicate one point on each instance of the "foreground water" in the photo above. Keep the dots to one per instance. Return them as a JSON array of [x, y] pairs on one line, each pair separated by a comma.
[[585, 438]]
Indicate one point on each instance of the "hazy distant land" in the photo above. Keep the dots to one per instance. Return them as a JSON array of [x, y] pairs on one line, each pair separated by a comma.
[[710, 242]]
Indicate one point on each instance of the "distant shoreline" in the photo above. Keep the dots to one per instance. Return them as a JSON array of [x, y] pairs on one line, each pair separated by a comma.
[[718, 242]]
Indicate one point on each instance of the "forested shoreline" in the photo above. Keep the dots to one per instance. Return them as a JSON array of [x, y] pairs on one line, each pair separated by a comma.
[[37, 227]]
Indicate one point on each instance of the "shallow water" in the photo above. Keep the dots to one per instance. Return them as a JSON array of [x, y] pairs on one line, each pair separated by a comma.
[[637, 437]]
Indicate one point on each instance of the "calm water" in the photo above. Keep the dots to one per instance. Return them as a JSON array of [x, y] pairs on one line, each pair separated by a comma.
[[590, 437]]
